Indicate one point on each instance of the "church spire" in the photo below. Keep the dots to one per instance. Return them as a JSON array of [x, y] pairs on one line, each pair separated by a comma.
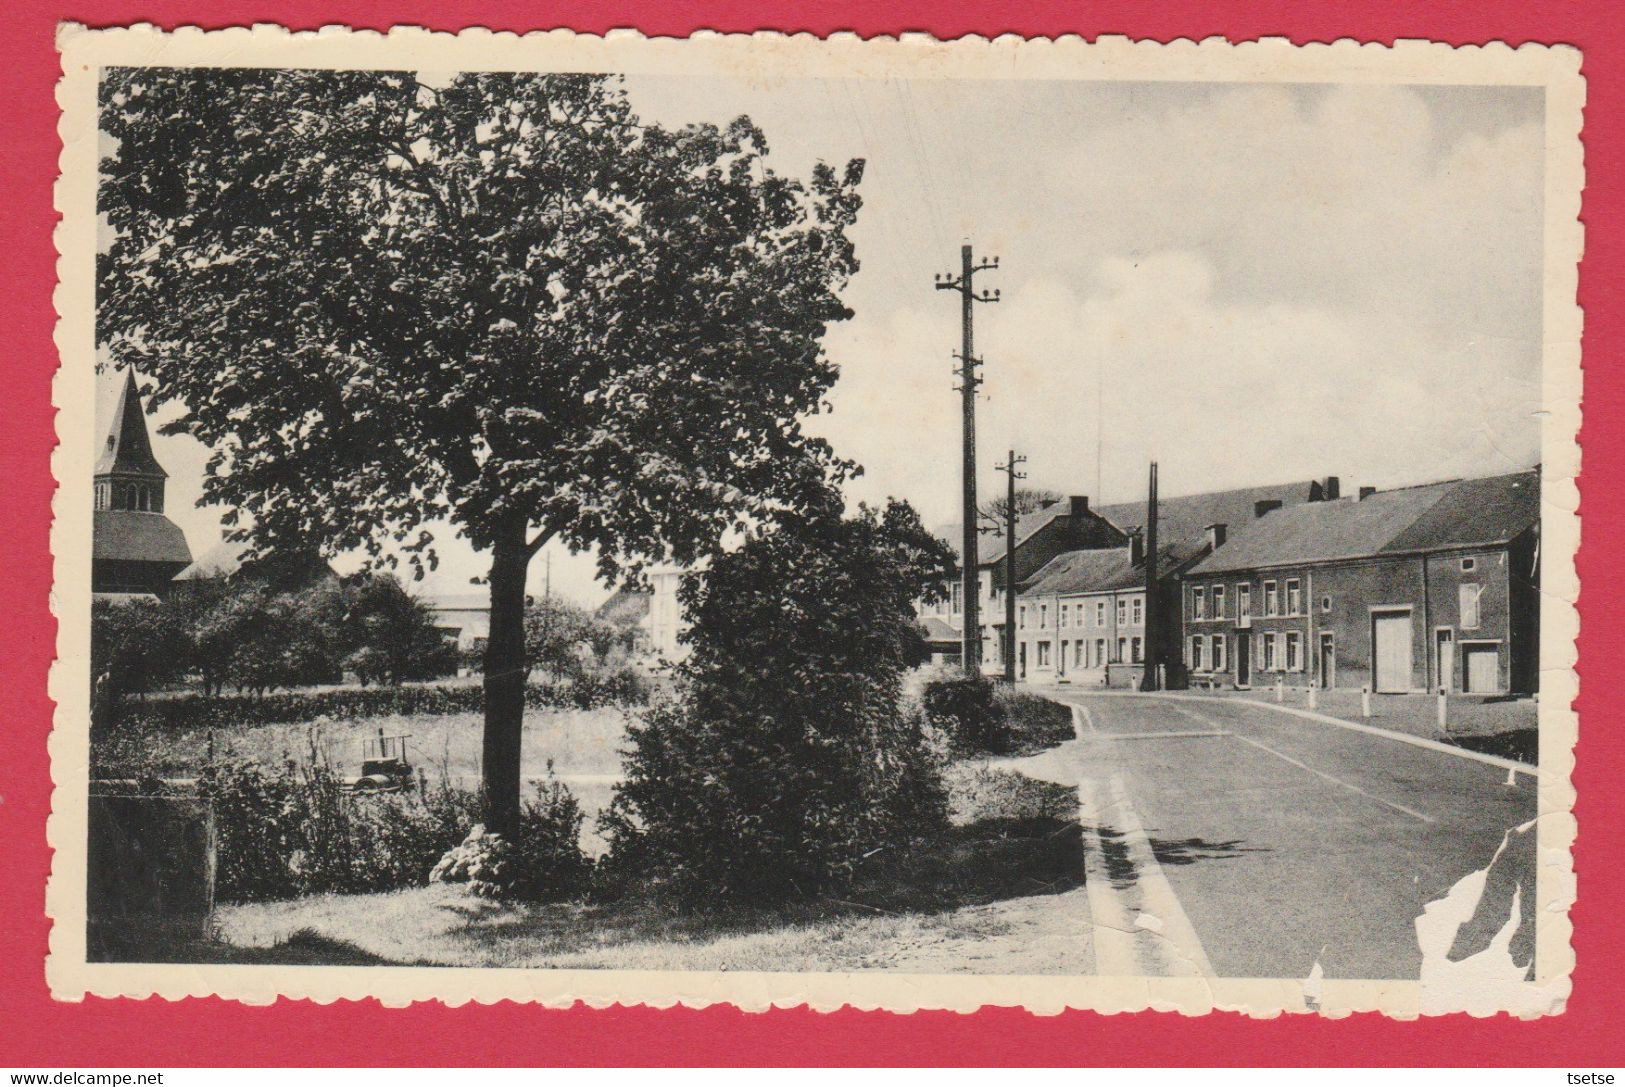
[[128, 476]]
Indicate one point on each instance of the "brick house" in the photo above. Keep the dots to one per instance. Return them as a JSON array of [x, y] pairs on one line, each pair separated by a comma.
[[1112, 647], [1411, 589], [1068, 525]]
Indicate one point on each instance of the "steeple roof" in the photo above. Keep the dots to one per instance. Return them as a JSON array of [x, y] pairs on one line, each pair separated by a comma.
[[128, 449]]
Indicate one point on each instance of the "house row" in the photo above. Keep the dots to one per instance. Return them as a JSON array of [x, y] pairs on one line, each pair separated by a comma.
[[1412, 589]]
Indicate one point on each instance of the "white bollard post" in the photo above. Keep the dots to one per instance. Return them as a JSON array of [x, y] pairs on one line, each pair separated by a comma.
[[1312, 700], [1365, 701], [1442, 710], [1280, 688]]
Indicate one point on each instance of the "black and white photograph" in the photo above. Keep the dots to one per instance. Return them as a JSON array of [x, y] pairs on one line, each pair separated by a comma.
[[771, 520]]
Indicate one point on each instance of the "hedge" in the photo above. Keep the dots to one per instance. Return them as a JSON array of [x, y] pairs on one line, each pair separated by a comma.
[[298, 707]]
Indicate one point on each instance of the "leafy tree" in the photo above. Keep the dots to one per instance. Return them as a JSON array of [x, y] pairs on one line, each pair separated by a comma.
[[499, 300], [391, 633], [788, 753], [134, 646], [555, 632], [1028, 500]]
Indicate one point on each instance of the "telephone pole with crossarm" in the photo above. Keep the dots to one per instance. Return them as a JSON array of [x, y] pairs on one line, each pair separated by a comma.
[[964, 283]]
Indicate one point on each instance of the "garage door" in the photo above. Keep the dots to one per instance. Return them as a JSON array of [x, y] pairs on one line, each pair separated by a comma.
[[1391, 635], [1483, 668]]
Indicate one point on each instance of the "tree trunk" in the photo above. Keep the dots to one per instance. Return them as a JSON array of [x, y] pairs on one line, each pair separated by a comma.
[[505, 681]]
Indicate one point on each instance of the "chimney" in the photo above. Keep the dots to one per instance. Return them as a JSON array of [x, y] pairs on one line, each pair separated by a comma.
[[1317, 493], [1367, 492], [1136, 546], [1080, 505], [1264, 505], [1216, 535], [1334, 488]]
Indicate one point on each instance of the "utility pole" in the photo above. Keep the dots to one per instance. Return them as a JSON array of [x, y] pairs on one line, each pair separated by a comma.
[[1009, 646], [964, 283], [1148, 678]]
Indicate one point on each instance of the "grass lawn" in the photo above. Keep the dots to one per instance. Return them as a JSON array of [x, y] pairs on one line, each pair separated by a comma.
[[999, 892]]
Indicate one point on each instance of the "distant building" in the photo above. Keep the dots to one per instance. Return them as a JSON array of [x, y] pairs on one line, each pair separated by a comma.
[[666, 621], [135, 549], [465, 618], [1040, 535], [284, 571], [1081, 618], [1413, 589]]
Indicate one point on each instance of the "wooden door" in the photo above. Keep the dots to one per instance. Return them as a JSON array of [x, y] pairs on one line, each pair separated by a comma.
[[1244, 663], [1328, 662], [1483, 667], [1391, 652]]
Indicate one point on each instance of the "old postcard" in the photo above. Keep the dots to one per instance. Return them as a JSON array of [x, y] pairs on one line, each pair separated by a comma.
[[769, 520]]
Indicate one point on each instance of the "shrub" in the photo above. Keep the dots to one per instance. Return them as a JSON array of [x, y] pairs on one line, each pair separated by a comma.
[[300, 831], [787, 753], [965, 709], [1032, 723]]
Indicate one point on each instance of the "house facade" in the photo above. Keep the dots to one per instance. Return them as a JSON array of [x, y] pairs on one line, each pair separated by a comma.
[[1081, 619], [1066, 525], [1414, 589]]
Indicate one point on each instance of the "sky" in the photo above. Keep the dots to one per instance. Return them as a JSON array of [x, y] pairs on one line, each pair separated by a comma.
[[1245, 283]]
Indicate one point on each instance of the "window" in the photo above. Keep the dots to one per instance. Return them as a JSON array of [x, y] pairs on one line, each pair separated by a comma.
[[1468, 565], [1294, 597], [958, 598], [1269, 652], [1294, 651], [1139, 606], [1100, 613], [1244, 601], [1100, 652], [1325, 603], [1122, 649], [1135, 642], [1043, 616], [1196, 652], [1065, 608], [1021, 617], [1469, 606], [1272, 599], [1077, 653], [1218, 601], [1043, 654], [1198, 603], [1218, 653], [1122, 612]]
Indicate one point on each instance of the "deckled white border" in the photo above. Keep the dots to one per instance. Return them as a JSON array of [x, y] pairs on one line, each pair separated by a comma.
[[774, 56]]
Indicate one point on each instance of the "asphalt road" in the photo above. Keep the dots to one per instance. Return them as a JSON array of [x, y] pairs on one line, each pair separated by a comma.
[[1228, 839]]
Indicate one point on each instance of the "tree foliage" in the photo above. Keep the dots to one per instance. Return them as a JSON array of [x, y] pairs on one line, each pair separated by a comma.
[[498, 299], [788, 753], [1028, 500]]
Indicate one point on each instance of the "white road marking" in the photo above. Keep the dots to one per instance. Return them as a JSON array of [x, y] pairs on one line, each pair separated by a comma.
[[1113, 932], [1412, 812], [1161, 735], [1181, 952], [1513, 765]]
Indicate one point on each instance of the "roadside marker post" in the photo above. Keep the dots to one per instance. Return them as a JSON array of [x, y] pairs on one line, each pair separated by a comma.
[[1443, 712], [1280, 688], [1365, 701], [1313, 701]]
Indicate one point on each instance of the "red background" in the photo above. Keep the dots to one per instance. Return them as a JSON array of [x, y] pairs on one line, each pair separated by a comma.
[[35, 1031]]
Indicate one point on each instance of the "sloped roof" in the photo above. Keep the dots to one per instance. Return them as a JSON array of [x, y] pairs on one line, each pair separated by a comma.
[[1182, 520], [1475, 512], [1094, 570], [128, 448], [134, 536], [625, 605], [937, 630], [1427, 517], [991, 549], [228, 558]]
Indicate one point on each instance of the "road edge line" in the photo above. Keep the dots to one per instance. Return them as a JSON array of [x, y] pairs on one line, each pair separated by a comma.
[[1405, 738]]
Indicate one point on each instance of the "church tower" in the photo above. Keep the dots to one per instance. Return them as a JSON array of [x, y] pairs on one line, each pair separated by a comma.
[[136, 548]]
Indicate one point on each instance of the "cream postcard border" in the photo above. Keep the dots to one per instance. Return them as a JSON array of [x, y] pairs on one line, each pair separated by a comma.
[[768, 56]]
